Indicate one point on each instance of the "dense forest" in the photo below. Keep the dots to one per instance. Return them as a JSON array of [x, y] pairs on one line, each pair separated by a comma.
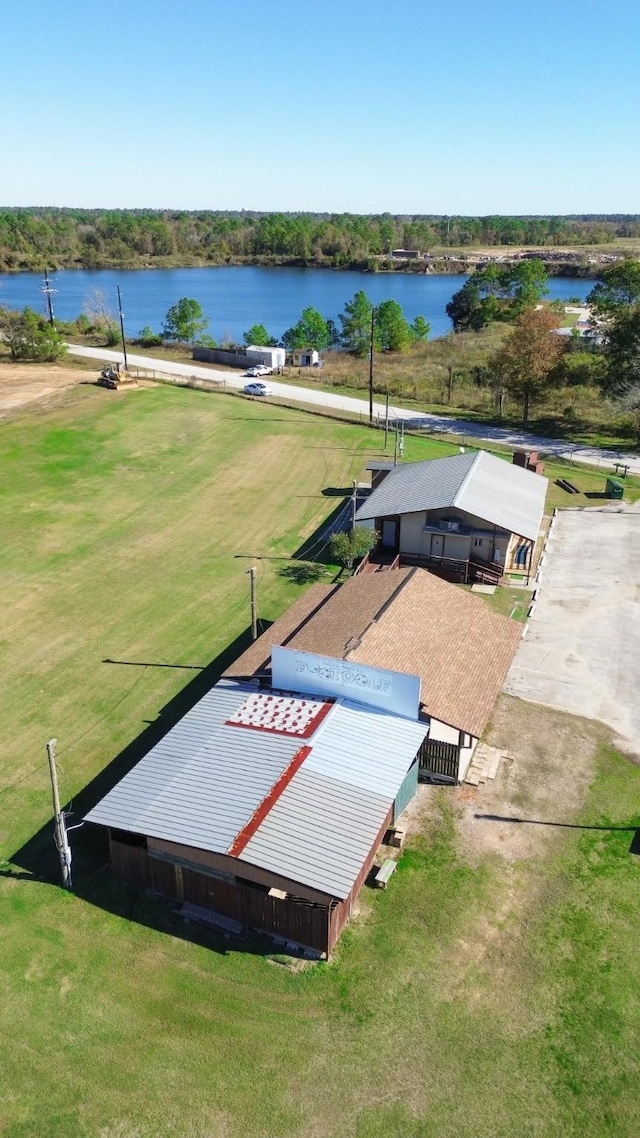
[[90, 238]]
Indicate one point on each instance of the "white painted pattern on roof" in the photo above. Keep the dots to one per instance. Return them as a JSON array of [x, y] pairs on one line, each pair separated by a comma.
[[282, 714]]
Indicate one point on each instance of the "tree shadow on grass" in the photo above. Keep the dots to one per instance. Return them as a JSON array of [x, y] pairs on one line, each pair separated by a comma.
[[303, 572], [634, 829]]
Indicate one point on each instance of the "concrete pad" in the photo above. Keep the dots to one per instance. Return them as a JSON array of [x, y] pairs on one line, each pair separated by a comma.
[[582, 649], [489, 589]]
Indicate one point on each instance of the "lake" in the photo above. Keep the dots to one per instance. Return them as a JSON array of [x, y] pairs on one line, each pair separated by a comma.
[[236, 296]]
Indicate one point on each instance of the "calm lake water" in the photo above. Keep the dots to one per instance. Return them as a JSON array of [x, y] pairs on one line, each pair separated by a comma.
[[235, 297]]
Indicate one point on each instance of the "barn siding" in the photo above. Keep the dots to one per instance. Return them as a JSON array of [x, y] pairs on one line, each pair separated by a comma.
[[131, 863], [340, 915]]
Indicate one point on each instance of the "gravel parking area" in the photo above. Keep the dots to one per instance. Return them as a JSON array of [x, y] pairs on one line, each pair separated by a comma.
[[582, 650]]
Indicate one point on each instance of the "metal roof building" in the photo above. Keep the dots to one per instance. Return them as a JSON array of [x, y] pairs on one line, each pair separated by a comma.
[[476, 482], [264, 790]]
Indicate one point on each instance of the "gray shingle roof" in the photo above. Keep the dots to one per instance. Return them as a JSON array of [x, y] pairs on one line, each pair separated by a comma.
[[478, 482]]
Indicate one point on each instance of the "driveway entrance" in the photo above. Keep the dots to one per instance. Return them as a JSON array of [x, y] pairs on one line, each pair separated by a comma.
[[582, 650]]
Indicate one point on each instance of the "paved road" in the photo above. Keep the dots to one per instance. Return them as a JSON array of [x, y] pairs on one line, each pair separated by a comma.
[[582, 649], [593, 456]]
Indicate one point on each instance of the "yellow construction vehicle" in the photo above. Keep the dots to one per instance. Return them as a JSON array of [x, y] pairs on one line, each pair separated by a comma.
[[114, 376]]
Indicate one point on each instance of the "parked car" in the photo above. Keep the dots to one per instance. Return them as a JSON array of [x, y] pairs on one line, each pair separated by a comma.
[[257, 389], [259, 369]]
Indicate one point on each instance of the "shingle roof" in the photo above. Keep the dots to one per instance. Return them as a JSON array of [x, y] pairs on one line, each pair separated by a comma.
[[477, 482], [461, 650], [409, 620], [257, 658], [343, 620]]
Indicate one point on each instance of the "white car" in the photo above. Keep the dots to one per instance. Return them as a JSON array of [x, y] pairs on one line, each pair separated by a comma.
[[257, 389], [259, 369]]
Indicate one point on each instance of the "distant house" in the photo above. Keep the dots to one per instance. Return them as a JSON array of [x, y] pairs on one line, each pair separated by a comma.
[[409, 621], [405, 254], [305, 357], [454, 514]]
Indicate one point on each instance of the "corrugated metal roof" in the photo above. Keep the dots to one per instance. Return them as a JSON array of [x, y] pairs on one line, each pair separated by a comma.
[[506, 495], [365, 748], [203, 781], [478, 482], [319, 833], [323, 826]]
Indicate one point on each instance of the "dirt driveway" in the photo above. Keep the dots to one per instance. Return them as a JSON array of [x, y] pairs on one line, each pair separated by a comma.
[[582, 650], [23, 383]]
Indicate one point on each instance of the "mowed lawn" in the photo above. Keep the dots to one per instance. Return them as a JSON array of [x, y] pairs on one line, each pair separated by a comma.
[[492, 990]]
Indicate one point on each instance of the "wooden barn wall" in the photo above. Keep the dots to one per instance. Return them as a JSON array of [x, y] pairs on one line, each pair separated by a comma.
[[301, 921], [307, 922], [131, 863], [343, 910], [222, 863]]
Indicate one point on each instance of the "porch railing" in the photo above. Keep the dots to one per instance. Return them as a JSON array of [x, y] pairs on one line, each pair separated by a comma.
[[439, 759]]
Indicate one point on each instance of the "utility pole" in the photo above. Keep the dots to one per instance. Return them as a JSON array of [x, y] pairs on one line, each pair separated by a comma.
[[124, 346], [60, 829], [401, 446], [386, 421], [395, 446], [354, 504], [373, 325], [48, 291], [254, 608]]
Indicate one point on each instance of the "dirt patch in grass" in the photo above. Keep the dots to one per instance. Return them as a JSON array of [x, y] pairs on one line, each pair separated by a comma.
[[23, 383], [544, 781]]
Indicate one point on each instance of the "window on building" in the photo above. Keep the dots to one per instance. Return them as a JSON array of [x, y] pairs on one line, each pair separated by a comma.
[[477, 541]]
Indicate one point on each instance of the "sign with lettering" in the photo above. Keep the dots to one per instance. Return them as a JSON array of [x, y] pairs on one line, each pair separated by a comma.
[[310, 674]]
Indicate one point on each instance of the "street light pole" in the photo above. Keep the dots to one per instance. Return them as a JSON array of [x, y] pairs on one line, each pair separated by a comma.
[[124, 346]]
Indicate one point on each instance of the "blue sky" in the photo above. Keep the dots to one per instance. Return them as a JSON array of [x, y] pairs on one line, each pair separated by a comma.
[[459, 107]]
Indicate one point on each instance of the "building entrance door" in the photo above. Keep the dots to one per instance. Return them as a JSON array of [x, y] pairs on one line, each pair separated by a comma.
[[390, 528]]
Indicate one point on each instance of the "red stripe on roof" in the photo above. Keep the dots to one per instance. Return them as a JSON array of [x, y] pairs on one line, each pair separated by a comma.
[[259, 815]]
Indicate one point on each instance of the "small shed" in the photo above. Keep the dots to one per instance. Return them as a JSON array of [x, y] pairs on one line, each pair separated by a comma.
[[270, 357], [305, 357]]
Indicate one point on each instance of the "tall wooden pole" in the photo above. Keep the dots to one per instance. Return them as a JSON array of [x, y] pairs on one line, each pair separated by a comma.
[[373, 324], [60, 829], [124, 345], [47, 291], [386, 420], [354, 504], [254, 606]]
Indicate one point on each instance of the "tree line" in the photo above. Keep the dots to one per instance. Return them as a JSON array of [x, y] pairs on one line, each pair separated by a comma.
[[386, 322], [89, 238]]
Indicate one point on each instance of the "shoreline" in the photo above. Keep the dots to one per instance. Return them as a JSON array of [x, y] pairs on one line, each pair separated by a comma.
[[445, 265]]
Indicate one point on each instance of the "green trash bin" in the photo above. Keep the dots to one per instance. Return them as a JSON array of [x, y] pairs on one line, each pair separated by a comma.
[[614, 488]]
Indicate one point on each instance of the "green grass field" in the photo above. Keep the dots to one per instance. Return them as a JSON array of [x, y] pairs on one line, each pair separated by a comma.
[[482, 994]]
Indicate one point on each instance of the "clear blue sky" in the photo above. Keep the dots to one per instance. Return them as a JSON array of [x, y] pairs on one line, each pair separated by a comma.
[[406, 106]]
